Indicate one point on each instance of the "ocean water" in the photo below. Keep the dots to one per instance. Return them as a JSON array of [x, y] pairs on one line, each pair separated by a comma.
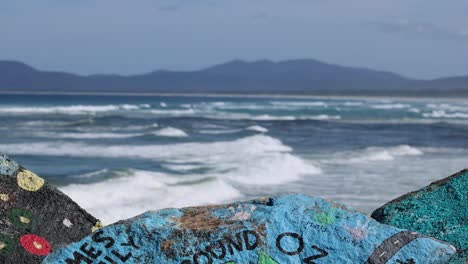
[[120, 156]]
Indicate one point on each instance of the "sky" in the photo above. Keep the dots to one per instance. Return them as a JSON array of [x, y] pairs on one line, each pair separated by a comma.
[[416, 38]]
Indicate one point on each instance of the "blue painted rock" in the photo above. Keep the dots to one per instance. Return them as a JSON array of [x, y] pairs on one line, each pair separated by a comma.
[[439, 210], [35, 218], [288, 229]]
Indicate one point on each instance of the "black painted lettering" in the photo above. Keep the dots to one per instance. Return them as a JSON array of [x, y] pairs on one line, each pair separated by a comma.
[[299, 239], [98, 239], [230, 243], [130, 243], [218, 245], [322, 254], [122, 258], [250, 245], [409, 261], [91, 251], [78, 258], [111, 261], [197, 256]]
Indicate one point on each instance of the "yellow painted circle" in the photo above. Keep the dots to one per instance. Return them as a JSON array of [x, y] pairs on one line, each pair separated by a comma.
[[97, 226], [29, 181], [4, 197]]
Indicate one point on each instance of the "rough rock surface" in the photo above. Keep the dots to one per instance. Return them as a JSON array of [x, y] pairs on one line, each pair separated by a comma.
[[35, 218], [288, 229], [439, 210]]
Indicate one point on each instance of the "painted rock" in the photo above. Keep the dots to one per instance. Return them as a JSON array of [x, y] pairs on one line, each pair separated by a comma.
[[439, 210], [288, 229], [35, 218]]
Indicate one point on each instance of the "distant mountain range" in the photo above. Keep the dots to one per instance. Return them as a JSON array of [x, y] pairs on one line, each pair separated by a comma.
[[236, 77]]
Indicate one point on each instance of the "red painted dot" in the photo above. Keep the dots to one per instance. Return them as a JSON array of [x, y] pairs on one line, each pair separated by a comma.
[[35, 245]]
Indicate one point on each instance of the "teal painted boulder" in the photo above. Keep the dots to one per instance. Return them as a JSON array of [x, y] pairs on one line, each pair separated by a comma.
[[35, 218], [288, 229], [439, 210]]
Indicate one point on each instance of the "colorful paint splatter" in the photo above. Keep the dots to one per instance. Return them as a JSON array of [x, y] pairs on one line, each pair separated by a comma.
[[35, 218]]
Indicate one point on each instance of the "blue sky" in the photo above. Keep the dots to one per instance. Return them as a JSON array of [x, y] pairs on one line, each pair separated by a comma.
[[416, 38]]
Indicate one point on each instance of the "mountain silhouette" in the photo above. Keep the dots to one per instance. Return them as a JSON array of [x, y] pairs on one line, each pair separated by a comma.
[[304, 76]]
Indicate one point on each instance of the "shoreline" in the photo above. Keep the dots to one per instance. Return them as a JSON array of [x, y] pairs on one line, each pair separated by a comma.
[[238, 95]]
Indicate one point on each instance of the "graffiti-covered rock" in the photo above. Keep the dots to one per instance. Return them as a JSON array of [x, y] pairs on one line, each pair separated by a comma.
[[439, 210], [288, 229], [35, 218]]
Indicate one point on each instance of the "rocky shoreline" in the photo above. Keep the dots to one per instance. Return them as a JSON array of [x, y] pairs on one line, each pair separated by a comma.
[[39, 224]]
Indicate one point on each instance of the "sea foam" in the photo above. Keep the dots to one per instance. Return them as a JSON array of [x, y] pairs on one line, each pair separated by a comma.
[[258, 159], [384, 153], [140, 191], [69, 110], [444, 114], [170, 132], [250, 161], [257, 128]]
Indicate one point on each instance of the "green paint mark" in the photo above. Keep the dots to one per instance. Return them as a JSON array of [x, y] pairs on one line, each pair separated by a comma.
[[22, 218], [265, 259], [6, 245], [325, 219]]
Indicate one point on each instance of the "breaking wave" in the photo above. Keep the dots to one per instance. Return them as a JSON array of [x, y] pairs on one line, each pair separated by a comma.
[[257, 128], [170, 132], [84, 135], [258, 159], [444, 114], [140, 191], [391, 106], [386, 153], [227, 166], [300, 104], [375, 154], [70, 110]]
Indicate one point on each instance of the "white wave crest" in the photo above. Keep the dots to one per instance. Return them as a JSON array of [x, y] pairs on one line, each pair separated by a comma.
[[96, 135], [44, 123], [301, 104], [70, 110], [219, 132], [170, 132], [444, 114], [218, 104], [182, 167], [391, 106], [140, 191], [266, 117], [258, 159], [321, 117], [173, 112], [384, 153], [257, 128], [351, 103], [91, 174], [449, 107]]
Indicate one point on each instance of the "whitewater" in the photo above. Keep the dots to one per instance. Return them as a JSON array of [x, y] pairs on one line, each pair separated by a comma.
[[120, 156]]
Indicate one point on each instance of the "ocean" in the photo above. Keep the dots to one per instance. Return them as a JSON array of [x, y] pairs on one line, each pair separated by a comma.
[[119, 156]]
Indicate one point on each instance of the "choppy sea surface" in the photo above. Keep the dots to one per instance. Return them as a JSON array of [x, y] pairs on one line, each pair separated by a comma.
[[120, 156]]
